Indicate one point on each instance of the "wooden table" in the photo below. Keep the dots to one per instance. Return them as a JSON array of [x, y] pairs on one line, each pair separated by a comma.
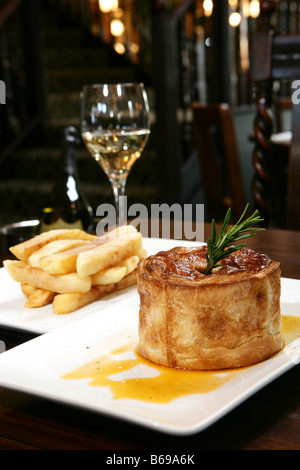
[[269, 420]]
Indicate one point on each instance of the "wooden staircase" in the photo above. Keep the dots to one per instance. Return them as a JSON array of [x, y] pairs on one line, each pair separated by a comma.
[[72, 58]]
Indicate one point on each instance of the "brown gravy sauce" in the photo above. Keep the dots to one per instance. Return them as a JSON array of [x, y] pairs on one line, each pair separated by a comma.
[[167, 384], [190, 263]]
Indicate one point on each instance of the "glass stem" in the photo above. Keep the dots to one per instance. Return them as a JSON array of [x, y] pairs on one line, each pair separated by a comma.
[[118, 186]]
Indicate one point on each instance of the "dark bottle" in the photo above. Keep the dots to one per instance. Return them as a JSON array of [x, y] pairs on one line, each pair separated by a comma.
[[67, 207]]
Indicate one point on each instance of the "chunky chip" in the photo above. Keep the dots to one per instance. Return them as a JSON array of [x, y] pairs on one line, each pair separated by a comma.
[[23, 250], [36, 277], [70, 268], [39, 298], [109, 276], [52, 250], [67, 303], [110, 254]]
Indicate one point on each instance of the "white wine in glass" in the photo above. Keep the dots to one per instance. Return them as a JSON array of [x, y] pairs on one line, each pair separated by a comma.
[[115, 126]]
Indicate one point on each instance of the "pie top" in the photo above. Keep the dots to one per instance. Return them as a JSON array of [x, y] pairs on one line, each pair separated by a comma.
[[187, 266]]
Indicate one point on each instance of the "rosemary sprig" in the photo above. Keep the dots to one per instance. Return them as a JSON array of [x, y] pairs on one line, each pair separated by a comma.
[[220, 247]]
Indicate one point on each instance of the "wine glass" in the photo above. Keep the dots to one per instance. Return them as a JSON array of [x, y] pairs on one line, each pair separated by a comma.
[[115, 126]]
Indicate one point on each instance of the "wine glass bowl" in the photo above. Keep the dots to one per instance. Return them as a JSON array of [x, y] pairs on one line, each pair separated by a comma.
[[115, 126]]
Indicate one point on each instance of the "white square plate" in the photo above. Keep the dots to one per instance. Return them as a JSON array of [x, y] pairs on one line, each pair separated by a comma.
[[14, 315], [38, 366]]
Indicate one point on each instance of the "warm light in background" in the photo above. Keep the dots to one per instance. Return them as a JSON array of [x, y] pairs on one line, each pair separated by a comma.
[[117, 27], [119, 48], [246, 8], [208, 7], [249, 8], [254, 8], [134, 47], [234, 19], [108, 5]]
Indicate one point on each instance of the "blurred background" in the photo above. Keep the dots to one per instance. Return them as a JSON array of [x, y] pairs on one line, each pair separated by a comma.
[[184, 51]]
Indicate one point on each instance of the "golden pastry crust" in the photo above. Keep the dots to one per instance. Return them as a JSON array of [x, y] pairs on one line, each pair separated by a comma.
[[189, 320]]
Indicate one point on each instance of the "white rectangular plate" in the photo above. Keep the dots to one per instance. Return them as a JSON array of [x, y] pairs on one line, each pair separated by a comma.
[[14, 315], [37, 367]]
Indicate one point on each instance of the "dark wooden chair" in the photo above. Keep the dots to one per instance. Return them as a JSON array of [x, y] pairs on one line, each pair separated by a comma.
[[275, 59], [216, 143], [282, 106]]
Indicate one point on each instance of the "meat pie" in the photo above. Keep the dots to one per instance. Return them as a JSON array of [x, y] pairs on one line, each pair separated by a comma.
[[192, 320]]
